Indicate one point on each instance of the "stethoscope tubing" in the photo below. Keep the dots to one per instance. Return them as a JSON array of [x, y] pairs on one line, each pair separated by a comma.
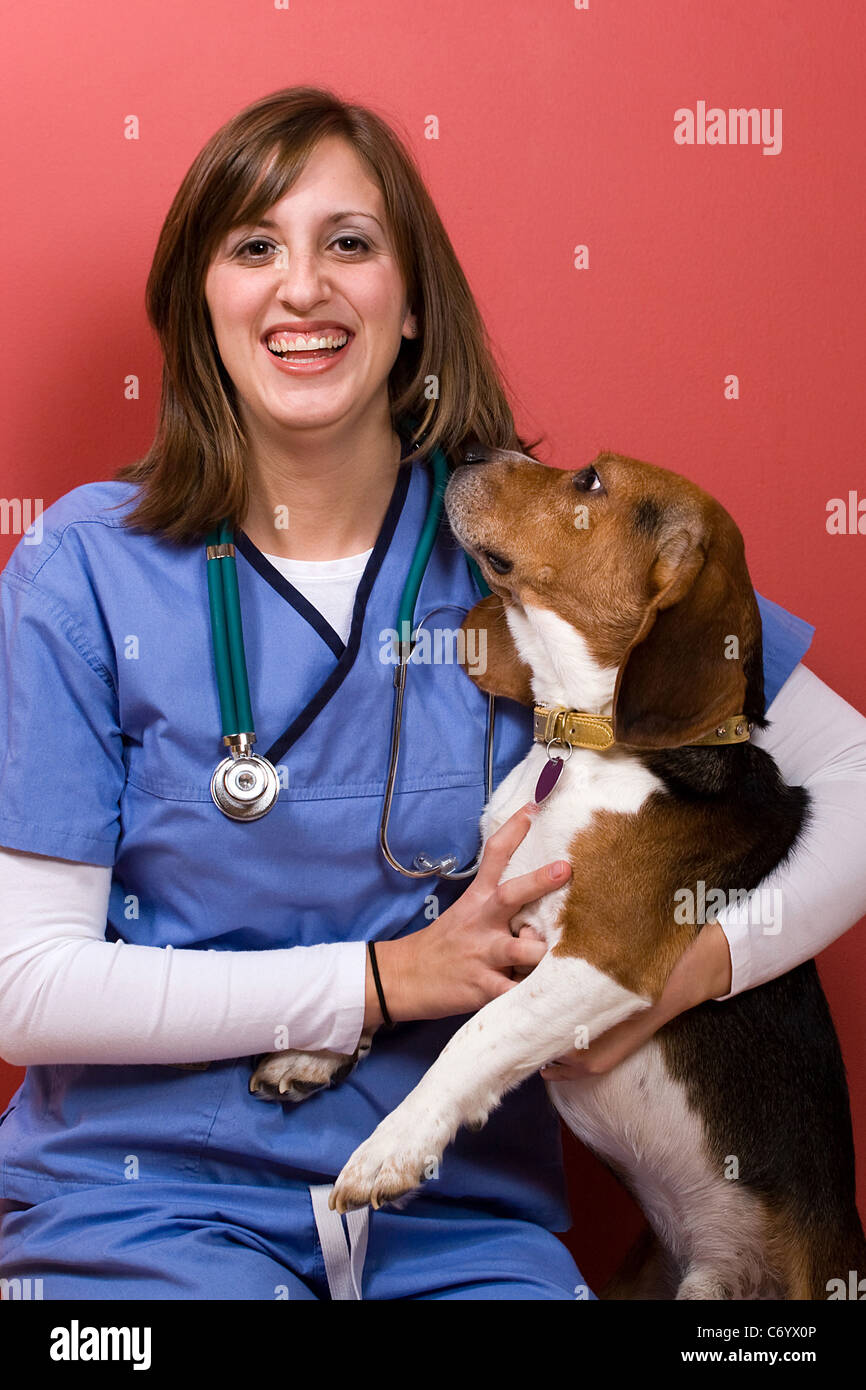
[[426, 867], [228, 637], [409, 597]]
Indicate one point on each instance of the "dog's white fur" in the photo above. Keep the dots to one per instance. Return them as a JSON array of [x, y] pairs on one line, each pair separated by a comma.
[[710, 1226]]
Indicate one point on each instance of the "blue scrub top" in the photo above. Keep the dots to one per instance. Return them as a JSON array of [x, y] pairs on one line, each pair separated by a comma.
[[109, 734]]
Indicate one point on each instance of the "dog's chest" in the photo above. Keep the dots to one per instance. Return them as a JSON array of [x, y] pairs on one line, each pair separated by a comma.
[[589, 782]]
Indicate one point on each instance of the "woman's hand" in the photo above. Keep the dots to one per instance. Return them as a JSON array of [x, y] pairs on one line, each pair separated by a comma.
[[702, 972], [468, 956]]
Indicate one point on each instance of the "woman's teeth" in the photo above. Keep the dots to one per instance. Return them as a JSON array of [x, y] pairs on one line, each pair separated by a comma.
[[309, 342]]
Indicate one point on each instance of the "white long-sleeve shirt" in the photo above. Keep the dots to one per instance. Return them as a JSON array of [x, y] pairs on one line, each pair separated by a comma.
[[67, 995], [818, 741]]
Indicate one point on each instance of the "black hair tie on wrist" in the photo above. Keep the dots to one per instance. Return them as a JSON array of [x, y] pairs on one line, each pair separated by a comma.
[[386, 1017]]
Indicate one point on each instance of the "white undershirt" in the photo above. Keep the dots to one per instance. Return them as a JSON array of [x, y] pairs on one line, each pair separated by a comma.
[[330, 585], [67, 995]]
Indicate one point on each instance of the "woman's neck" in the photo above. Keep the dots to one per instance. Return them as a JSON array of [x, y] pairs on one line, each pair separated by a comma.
[[324, 499]]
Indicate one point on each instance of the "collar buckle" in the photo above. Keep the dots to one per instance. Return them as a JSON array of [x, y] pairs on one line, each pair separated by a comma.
[[581, 730], [572, 726]]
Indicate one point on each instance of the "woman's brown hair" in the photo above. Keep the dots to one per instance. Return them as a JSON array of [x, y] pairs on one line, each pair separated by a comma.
[[194, 473]]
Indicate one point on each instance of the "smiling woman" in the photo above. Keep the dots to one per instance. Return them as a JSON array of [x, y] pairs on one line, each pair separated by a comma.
[[306, 295]]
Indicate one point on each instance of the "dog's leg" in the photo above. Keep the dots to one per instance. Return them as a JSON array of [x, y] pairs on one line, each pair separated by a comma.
[[508, 1040]]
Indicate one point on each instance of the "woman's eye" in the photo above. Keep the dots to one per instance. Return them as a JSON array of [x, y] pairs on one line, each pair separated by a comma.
[[358, 240], [587, 480], [256, 241]]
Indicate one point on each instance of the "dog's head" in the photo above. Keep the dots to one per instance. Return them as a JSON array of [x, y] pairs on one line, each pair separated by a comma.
[[644, 565]]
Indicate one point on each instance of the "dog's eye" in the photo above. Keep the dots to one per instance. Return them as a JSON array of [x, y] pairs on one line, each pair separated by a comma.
[[497, 563], [587, 480]]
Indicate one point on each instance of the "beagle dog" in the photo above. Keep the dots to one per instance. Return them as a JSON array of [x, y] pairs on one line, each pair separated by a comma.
[[622, 610]]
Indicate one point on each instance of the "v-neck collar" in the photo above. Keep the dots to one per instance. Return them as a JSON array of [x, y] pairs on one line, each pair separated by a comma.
[[299, 601], [344, 652], [287, 590]]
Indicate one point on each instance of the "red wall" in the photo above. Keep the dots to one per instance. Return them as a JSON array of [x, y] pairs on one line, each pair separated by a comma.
[[556, 129]]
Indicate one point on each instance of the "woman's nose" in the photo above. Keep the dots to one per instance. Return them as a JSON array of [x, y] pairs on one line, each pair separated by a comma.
[[302, 277]]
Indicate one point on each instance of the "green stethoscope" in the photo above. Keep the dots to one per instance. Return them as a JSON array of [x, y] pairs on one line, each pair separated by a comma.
[[245, 785]]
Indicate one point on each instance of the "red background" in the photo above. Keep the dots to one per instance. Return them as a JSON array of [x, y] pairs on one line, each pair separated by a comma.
[[555, 130]]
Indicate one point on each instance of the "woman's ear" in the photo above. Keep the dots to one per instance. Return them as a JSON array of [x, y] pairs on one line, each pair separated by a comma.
[[699, 644], [497, 667]]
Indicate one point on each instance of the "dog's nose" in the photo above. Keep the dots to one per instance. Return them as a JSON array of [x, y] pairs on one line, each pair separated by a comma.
[[474, 451]]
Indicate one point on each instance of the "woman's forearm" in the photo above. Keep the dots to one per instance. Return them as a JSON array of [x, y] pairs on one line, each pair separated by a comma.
[[67, 995], [818, 741]]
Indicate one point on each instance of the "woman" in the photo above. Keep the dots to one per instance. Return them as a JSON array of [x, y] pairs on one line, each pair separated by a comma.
[[144, 929]]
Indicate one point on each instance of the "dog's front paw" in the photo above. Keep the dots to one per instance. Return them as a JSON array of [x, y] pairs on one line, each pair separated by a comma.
[[293, 1076], [392, 1163]]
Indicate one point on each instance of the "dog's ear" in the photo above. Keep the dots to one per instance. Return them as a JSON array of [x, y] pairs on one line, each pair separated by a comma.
[[498, 667], [696, 658]]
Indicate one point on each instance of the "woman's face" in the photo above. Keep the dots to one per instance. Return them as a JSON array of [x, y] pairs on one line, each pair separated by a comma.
[[322, 260]]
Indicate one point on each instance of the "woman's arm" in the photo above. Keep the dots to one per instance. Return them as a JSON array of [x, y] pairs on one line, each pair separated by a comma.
[[818, 741], [68, 995]]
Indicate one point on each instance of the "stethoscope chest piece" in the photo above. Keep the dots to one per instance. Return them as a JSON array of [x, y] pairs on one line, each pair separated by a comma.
[[245, 788]]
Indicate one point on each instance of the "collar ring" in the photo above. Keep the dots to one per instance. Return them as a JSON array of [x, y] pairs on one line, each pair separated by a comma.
[[564, 744]]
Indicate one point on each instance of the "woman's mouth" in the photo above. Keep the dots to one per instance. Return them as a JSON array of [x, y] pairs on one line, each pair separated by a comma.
[[308, 351]]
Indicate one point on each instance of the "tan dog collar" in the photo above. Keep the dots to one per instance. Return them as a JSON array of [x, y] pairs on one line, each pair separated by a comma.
[[558, 724]]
